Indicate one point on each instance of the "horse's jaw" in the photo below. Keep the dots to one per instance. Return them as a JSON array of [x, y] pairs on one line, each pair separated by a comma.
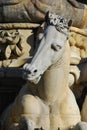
[[35, 80]]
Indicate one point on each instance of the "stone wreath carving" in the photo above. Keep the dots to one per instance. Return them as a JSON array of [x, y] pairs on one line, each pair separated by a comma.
[[14, 47]]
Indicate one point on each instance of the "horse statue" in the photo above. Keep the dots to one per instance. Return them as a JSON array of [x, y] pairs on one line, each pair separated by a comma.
[[46, 101]]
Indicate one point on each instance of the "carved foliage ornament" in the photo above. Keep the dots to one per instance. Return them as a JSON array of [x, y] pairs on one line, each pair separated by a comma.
[[11, 47]]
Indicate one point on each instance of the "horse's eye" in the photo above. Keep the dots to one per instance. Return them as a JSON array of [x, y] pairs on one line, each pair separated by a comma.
[[55, 47]]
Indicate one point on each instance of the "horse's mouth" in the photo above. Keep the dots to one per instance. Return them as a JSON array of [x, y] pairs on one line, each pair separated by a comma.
[[34, 79]]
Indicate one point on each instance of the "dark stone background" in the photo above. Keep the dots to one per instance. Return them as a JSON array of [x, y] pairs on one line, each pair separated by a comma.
[[82, 1]]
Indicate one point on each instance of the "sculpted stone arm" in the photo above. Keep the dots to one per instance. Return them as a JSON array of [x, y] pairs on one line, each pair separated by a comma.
[[34, 11]]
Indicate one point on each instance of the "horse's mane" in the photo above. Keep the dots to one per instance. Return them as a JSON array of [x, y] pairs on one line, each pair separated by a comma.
[[59, 22]]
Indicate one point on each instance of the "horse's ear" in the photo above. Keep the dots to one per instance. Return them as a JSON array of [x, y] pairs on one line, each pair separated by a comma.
[[70, 23], [47, 16]]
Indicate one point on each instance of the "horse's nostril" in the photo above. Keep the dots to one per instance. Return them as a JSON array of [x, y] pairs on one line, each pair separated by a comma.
[[35, 70]]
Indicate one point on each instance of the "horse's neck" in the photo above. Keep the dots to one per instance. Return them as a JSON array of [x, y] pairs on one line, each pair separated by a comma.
[[54, 82]]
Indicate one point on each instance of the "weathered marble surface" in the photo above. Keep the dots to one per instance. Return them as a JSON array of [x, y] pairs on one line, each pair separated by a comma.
[[35, 10]]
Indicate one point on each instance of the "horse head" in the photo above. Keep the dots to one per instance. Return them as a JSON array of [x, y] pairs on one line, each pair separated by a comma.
[[51, 47]]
